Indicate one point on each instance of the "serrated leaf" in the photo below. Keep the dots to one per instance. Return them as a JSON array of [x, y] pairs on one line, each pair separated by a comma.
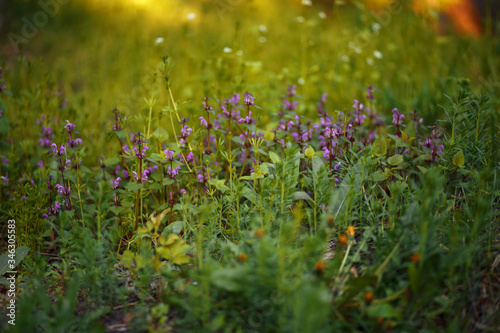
[[395, 160], [459, 159]]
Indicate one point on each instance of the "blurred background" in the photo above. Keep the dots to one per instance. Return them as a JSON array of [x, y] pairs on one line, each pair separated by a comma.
[[99, 55]]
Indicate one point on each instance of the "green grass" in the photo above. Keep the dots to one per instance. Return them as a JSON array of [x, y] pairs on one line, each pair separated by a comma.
[[402, 235]]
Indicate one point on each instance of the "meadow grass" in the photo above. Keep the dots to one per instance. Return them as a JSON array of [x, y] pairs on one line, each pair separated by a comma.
[[259, 169]]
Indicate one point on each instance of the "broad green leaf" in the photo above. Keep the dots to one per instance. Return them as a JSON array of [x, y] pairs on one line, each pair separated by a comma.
[[301, 195], [459, 159], [379, 146], [21, 252], [379, 176], [275, 158], [133, 186], [395, 160]]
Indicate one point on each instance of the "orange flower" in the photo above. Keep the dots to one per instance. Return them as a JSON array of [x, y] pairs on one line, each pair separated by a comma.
[[415, 257], [350, 231], [369, 296], [319, 266], [260, 232], [343, 240], [242, 257], [331, 221]]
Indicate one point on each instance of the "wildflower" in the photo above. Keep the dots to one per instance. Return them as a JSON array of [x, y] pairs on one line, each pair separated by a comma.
[[4, 179], [190, 157], [40, 164], [248, 119], [260, 232], [350, 231], [248, 99], [183, 192], [116, 183], [343, 240], [125, 173], [415, 257], [5, 160], [290, 106], [173, 172], [397, 117], [242, 257], [61, 189], [116, 201], [59, 151], [56, 208], [69, 127], [169, 154], [203, 122], [336, 167], [319, 266], [369, 296], [140, 152], [73, 143], [336, 181]]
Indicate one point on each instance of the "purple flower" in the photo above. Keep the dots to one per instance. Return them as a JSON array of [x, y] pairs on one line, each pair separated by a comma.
[[397, 117], [56, 208], [186, 131], [336, 167], [40, 164], [235, 99], [440, 149], [290, 106], [126, 149], [69, 127], [248, 99], [4, 179], [190, 157], [45, 142], [169, 154], [61, 189], [336, 181], [141, 152], [125, 173], [183, 192], [203, 122], [369, 93], [5, 160], [173, 172], [248, 119], [291, 91], [116, 183], [61, 151], [73, 143]]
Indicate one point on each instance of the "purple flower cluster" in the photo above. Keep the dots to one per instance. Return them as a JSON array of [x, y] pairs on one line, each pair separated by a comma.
[[59, 151]]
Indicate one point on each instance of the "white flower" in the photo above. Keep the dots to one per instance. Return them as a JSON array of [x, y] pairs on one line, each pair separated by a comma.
[[377, 54], [228, 50], [322, 15], [262, 28], [306, 3], [369, 61], [191, 16], [301, 81], [159, 40], [300, 19]]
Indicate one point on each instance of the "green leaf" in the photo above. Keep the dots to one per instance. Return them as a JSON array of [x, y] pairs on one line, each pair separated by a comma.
[[173, 228], [421, 168], [317, 163], [383, 310], [459, 159], [395, 160], [379, 176], [112, 161], [227, 278], [127, 258], [379, 146], [301, 195], [275, 158], [133, 186], [21, 252]]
